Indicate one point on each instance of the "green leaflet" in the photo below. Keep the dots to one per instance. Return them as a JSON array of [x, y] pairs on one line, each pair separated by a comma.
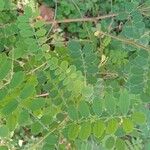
[[27, 91], [112, 126], [124, 102], [128, 125], [106, 42], [23, 19], [87, 145], [3, 148], [3, 93], [5, 69], [20, 51], [50, 141], [64, 65], [37, 104], [36, 128], [72, 112], [98, 128], [39, 24], [85, 130], [17, 79], [145, 97], [138, 117], [26, 33], [136, 78], [41, 32], [2, 4], [110, 104], [4, 131], [97, 107], [109, 143], [87, 92], [10, 107], [28, 11], [120, 144], [12, 121], [73, 131], [24, 117], [53, 62], [47, 119], [48, 146], [122, 16], [84, 109]]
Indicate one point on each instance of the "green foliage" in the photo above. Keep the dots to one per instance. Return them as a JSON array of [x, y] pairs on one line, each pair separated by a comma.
[[85, 59], [91, 93]]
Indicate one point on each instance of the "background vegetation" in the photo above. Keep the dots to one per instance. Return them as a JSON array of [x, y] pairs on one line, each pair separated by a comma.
[[82, 85]]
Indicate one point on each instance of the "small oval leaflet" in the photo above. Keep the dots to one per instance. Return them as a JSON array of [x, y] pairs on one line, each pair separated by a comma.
[[73, 131], [98, 128]]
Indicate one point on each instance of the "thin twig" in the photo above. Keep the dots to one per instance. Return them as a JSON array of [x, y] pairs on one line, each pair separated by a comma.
[[42, 95], [35, 69], [82, 16], [92, 19], [127, 41]]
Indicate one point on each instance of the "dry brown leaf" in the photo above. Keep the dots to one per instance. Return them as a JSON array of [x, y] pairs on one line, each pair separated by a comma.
[[46, 12]]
